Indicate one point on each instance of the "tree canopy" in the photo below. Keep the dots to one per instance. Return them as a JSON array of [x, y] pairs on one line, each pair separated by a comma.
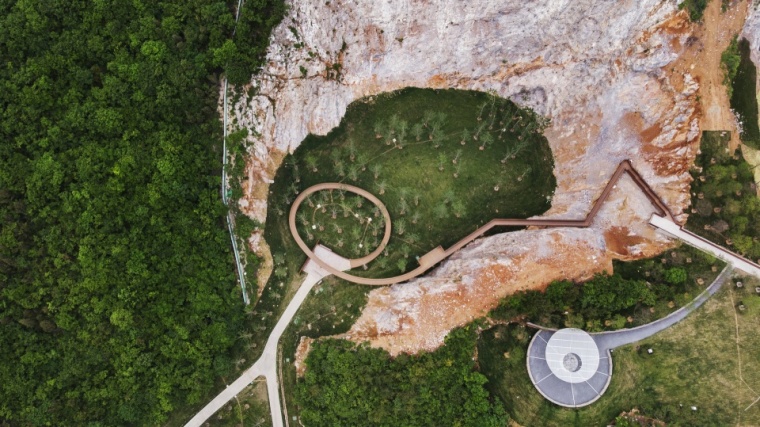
[[346, 385], [117, 292]]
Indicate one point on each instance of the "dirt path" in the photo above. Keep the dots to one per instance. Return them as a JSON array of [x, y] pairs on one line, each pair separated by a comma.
[[713, 37]]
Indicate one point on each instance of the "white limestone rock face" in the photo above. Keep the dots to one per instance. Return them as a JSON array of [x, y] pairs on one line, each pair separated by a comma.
[[594, 68], [751, 32]]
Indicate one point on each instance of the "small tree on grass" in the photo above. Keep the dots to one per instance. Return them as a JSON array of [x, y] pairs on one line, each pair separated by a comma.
[[338, 229], [401, 264], [457, 168], [352, 151], [405, 250], [311, 163], [403, 128], [465, 137], [379, 129], [345, 206], [485, 140], [381, 187], [478, 131], [339, 169], [400, 227], [457, 155], [441, 211], [415, 217], [458, 209], [403, 206], [416, 195], [303, 218], [393, 123], [441, 161], [417, 131], [362, 159], [427, 118], [374, 227], [524, 174], [356, 234], [353, 172], [335, 156], [375, 169]]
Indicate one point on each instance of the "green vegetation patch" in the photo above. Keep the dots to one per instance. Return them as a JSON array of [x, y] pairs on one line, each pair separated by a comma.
[[694, 363], [444, 162], [638, 293], [249, 408], [349, 385], [695, 8], [741, 83], [725, 208], [118, 302], [356, 225]]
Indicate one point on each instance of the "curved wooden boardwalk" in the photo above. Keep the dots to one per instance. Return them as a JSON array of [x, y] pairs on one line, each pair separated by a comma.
[[438, 254]]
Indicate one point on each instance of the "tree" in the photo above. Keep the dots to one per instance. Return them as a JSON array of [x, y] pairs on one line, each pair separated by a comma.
[[675, 275], [347, 384]]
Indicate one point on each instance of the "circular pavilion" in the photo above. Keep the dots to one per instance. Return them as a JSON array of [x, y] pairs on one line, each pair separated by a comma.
[[567, 367]]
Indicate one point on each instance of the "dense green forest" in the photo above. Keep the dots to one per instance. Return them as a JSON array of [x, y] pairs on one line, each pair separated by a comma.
[[118, 301], [346, 385]]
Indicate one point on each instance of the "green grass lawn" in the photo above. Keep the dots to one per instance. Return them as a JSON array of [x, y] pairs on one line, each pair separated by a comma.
[[695, 363], [444, 162], [250, 408]]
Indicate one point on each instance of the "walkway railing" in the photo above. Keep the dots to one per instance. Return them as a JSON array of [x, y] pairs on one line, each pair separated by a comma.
[[225, 189]]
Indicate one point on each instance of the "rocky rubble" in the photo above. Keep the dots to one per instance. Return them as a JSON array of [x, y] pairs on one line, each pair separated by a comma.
[[599, 70]]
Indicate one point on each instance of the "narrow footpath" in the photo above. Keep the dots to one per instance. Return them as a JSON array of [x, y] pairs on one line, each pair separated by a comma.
[[266, 365]]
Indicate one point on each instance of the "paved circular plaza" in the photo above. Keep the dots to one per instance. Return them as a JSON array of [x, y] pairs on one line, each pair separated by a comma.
[[568, 367]]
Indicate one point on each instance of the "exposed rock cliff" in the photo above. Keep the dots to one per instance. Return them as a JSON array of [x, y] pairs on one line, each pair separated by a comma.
[[602, 71]]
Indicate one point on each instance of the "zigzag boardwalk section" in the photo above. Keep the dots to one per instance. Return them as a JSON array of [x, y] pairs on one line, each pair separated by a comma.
[[438, 254]]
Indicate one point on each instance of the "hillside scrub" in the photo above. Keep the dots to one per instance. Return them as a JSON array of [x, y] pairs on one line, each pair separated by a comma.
[[637, 293], [741, 85], [724, 204], [695, 8]]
